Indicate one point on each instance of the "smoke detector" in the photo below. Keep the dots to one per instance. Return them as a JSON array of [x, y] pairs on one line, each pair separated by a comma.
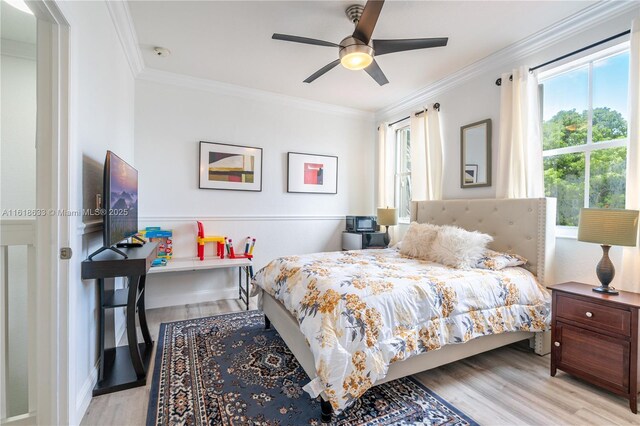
[[161, 51]]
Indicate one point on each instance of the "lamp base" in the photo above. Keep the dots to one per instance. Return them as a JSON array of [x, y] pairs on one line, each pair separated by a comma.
[[606, 290], [387, 237], [605, 272]]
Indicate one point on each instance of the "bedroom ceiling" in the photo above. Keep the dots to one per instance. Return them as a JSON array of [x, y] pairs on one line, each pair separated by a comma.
[[231, 42]]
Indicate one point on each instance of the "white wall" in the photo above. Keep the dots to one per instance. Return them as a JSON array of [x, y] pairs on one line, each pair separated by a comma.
[[172, 119], [101, 102], [478, 99]]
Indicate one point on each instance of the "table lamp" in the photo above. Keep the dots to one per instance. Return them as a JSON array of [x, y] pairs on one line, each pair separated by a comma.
[[387, 217], [608, 227]]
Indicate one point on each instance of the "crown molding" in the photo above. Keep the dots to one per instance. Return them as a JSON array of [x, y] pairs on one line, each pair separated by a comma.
[[121, 18], [583, 20], [123, 23], [181, 80]]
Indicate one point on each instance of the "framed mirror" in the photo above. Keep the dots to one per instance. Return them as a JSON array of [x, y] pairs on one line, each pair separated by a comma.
[[475, 154]]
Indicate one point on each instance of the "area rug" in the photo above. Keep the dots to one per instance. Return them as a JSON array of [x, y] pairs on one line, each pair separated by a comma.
[[229, 370]]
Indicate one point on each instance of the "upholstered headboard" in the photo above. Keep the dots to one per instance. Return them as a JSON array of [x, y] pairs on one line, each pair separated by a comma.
[[525, 226]]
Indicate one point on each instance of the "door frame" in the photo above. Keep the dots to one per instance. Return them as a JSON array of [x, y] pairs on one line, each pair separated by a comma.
[[53, 229]]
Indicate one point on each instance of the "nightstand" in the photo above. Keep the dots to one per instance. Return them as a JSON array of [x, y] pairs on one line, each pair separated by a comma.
[[595, 337]]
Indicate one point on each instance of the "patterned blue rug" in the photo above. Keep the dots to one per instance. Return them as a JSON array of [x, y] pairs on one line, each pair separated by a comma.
[[229, 370]]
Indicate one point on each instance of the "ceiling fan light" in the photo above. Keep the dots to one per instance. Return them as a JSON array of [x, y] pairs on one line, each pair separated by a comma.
[[356, 60]]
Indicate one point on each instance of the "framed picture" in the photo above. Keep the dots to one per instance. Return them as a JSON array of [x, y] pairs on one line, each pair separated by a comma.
[[234, 167], [312, 174], [470, 173]]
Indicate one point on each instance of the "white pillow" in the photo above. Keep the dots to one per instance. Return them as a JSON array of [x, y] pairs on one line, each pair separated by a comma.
[[418, 240], [458, 247]]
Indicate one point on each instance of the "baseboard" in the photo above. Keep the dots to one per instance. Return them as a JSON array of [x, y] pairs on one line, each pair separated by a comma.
[[85, 394], [189, 298]]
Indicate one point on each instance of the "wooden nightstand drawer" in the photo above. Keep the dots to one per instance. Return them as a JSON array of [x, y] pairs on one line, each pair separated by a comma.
[[593, 314], [596, 357]]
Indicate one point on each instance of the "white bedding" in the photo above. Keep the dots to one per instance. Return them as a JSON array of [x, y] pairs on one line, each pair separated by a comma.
[[360, 311]]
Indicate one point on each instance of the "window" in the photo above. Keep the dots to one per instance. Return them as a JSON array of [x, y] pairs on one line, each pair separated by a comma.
[[584, 126], [403, 174]]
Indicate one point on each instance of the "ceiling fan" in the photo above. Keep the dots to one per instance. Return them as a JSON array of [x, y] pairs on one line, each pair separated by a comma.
[[357, 51]]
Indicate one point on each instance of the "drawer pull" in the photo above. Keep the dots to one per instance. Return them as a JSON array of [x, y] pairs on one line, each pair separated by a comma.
[[556, 344], [589, 314]]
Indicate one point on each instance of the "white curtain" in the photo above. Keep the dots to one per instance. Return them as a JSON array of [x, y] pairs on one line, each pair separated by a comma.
[[630, 279], [386, 172], [426, 156], [520, 153], [386, 169]]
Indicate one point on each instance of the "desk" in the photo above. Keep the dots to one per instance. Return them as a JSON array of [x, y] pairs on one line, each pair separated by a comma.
[[195, 264], [122, 367]]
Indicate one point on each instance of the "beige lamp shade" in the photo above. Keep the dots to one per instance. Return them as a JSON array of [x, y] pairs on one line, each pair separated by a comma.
[[613, 227], [387, 217]]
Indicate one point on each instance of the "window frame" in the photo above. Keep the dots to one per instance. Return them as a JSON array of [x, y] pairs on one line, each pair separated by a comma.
[[397, 175], [590, 146]]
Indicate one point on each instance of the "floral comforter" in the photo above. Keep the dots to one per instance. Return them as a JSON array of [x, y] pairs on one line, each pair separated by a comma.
[[361, 311]]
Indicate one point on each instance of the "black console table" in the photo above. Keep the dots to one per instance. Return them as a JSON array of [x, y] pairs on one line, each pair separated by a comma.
[[123, 367]]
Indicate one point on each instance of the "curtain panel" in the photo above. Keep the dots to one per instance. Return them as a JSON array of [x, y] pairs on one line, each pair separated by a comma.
[[631, 255], [426, 156], [386, 172], [520, 171], [386, 167]]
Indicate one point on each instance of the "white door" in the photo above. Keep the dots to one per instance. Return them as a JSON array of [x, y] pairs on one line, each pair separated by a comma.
[[33, 148]]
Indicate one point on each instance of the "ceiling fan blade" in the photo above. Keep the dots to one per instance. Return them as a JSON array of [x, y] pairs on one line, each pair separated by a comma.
[[304, 40], [368, 20], [322, 71], [382, 47], [376, 73]]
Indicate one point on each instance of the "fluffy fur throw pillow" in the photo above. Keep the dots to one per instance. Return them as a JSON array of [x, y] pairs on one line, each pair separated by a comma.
[[458, 248], [418, 240]]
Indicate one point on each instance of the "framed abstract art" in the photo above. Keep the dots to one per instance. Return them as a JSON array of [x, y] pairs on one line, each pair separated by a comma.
[[312, 173], [232, 167]]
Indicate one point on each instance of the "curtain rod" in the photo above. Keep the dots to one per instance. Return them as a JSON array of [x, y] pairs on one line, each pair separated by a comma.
[[598, 43], [436, 106]]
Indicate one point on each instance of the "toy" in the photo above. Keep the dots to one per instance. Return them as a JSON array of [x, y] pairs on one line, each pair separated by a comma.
[[248, 249], [163, 237], [159, 262], [220, 242]]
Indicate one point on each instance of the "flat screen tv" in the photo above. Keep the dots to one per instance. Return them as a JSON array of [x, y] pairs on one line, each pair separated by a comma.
[[120, 202]]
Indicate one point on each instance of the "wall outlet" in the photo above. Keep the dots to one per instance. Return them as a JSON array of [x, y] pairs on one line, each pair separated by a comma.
[[98, 201]]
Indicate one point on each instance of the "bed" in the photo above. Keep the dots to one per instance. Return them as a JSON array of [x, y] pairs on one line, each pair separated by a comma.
[[444, 314]]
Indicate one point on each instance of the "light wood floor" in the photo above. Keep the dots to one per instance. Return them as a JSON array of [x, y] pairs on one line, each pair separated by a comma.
[[507, 386]]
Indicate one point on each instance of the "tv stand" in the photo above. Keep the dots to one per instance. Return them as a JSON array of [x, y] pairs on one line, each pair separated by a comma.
[[103, 248], [122, 367]]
